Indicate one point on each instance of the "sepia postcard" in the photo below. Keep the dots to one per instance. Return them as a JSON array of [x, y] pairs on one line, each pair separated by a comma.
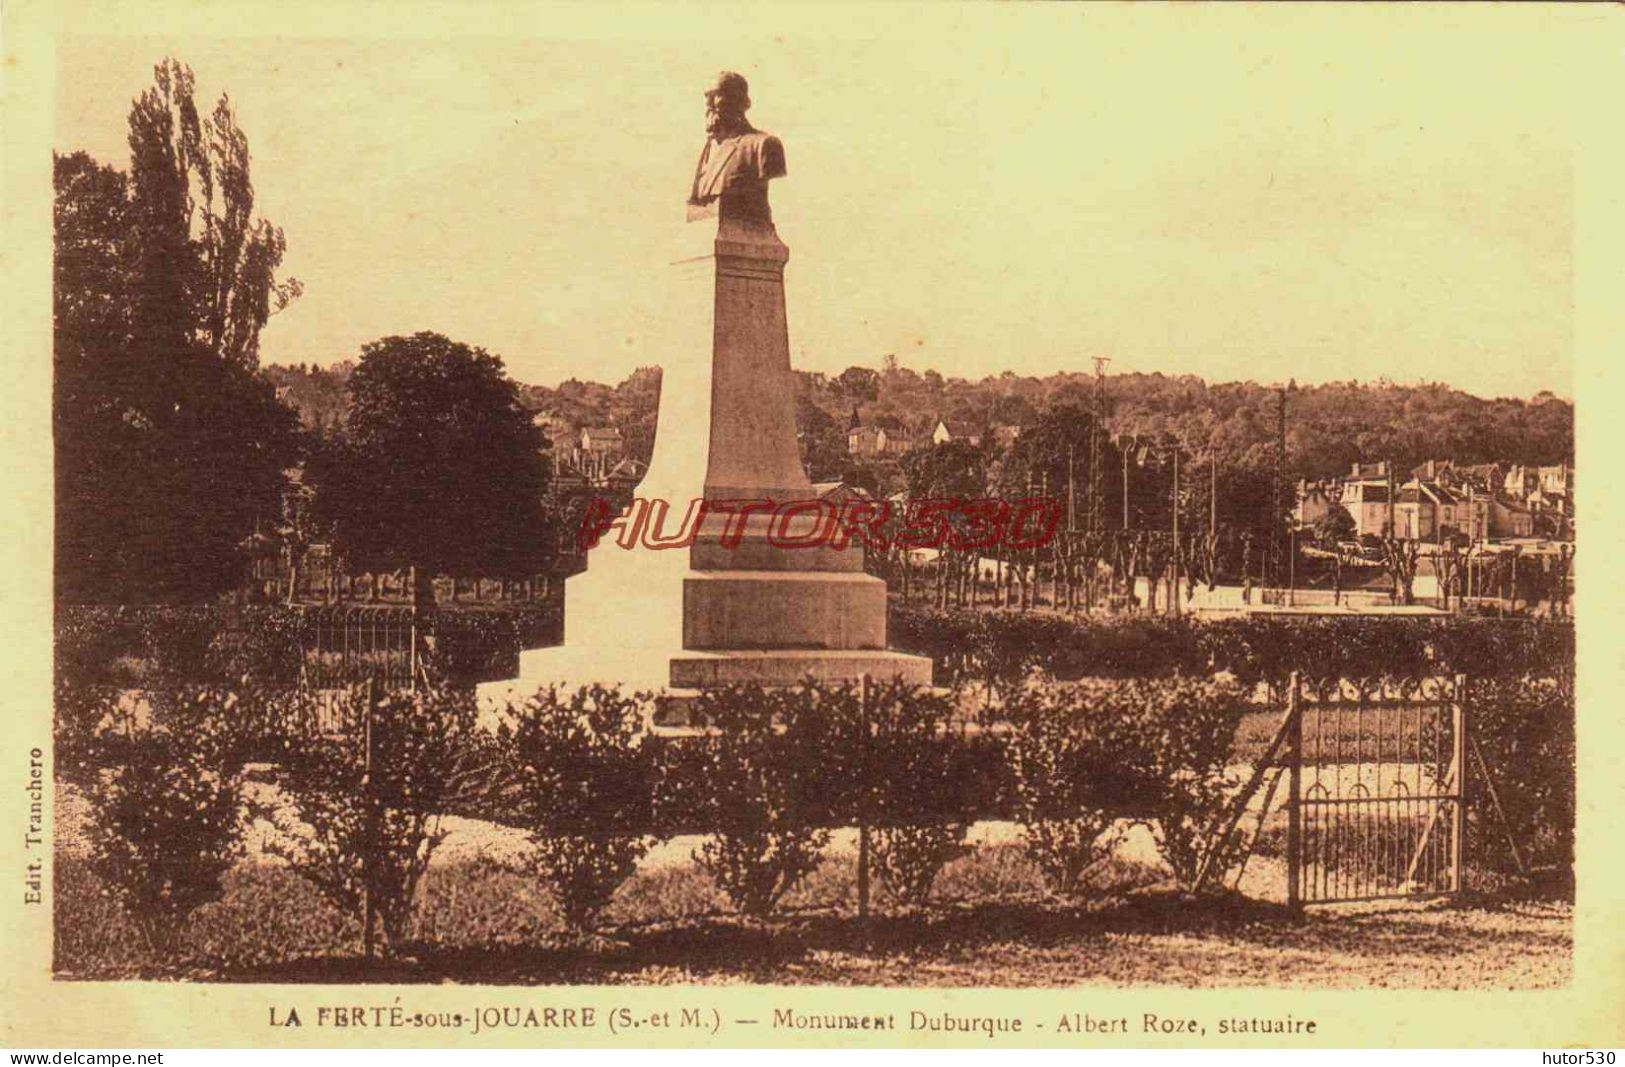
[[811, 525]]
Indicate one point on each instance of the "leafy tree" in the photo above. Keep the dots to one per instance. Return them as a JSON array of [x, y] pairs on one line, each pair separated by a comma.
[[859, 383], [169, 446], [1334, 527], [952, 470], [823, 441], [440, 466]]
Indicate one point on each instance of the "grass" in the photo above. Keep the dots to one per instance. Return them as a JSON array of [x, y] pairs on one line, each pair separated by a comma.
[[990, 923]]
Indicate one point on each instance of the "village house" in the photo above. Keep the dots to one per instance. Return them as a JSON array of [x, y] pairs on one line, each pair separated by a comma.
[[561, 436], [1365, 495], [1508, 518], [946, 431], [884, 437], [1367, 503], [1428, 511], [1004, 435], [1315, 502]]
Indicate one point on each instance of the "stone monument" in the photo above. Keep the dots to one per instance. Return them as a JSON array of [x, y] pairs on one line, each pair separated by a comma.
[[735, 608]]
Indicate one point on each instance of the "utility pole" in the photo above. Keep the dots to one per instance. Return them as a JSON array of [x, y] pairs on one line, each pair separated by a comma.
[[1071, 492], [1276, 515], [1097, 473], [1174, 598], [1125, 485]]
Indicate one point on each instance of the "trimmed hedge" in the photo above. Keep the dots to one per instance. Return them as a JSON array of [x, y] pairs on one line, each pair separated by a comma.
[[159, 645], [998, 648]]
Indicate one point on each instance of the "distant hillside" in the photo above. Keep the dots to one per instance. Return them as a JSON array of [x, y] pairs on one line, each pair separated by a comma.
[[1329, 427]]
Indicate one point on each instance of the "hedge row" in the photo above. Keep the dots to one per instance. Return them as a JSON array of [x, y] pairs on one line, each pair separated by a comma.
[[581, 773], [994, 647], [594, 788], [222, 644]]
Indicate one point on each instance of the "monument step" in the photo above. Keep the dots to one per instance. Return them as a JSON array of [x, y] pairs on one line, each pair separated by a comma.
[[699, 670], [783, 609], [754, 552]]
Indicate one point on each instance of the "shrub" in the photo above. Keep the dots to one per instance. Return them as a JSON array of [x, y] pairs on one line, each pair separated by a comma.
[[80, 715], [1525, 730], [353, 834], [587, 785], [1190, 728], [758, 780], [1088, 754], [912, 784], [165, 813], [1063, 763]]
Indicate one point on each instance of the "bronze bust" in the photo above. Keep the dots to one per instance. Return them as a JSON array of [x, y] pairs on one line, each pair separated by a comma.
[[738, 160]]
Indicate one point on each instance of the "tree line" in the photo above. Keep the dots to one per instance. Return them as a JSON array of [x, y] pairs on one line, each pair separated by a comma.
[[176, 460], [178, 457]]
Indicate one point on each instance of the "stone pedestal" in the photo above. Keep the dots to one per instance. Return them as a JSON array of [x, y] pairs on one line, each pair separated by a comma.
[[715, 613]]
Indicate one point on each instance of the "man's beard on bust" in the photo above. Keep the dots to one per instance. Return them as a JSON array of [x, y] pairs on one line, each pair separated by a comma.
[[720, 124]]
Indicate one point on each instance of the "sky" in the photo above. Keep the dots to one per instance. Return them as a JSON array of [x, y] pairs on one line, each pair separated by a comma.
[[1309, 192]]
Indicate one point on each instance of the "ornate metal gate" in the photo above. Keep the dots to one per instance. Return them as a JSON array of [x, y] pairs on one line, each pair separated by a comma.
[[1376, 803]]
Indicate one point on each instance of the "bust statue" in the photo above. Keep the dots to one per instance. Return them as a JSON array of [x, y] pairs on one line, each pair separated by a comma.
[[737, 161]]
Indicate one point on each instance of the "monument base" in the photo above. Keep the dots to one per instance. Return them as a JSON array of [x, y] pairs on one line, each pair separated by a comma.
[[680, 673]]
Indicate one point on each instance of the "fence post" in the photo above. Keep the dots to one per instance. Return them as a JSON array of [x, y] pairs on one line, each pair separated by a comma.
[[367, 808], [1294, 814], [422, 605], [863, 806], [1458, 756]]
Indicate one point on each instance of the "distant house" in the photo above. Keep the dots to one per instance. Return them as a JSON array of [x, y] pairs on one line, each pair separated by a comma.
[[597, 451], [865, 441], [562, 437], [1367, 502], [601, 440], [1431, 511], [1508, 518], [1556, 480], [841, 494], [1415, 515], [895, 437], [1315, 502], [1485, 478], [1004, 435], [946, 431], [1370, 472], [1434, 470], [885, 437]]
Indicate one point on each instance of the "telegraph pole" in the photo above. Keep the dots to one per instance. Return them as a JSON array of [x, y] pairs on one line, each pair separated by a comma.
[[1174, 598], [1096, 432], [1276, 516], [1071, 492], [1125, 486]]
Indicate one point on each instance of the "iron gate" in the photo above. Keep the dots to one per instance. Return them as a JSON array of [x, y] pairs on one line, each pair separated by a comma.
[[1376, 802]]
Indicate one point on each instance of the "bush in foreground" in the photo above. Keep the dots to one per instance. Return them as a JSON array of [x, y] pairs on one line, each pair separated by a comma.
[[165, 812], [585, 778], [759, 778], [362, 825]]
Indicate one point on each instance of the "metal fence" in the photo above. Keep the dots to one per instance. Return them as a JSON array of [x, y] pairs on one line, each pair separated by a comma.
[[1377, 795], [353, 643]]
